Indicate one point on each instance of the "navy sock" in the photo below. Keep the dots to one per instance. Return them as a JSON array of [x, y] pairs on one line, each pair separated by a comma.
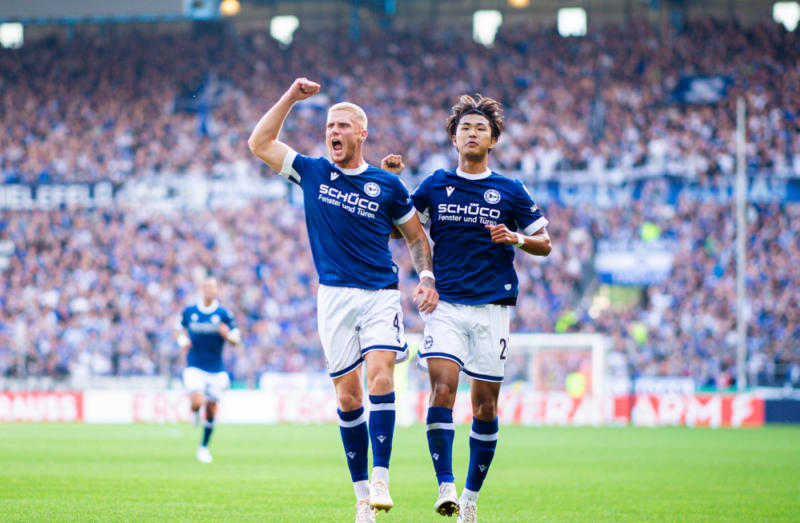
[[441, 432], [208, 426], [355, 437], [482, 442], [381, 428]]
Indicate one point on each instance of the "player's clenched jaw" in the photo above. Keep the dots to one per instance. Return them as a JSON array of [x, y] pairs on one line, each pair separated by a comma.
[[473, 137], [344, 136]]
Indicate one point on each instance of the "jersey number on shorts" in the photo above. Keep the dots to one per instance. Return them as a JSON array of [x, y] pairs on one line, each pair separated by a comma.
[[503, 349], [397, 323]]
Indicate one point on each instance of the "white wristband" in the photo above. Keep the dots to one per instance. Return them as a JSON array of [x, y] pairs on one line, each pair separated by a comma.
[[521, 240], [426, 274], [183, 340]]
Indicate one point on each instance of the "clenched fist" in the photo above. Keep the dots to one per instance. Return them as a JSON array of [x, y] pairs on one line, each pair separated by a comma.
[[301, 89], [393, 163]]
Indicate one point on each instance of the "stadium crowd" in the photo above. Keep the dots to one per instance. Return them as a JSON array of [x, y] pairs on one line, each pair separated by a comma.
[[97, 292], [112, 106]]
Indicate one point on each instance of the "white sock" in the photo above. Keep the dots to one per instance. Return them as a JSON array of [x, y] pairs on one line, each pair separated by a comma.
[[362, 490], [380, 474], [469, 495]]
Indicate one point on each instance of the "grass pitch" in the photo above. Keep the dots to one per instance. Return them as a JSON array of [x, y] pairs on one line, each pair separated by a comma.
[[138, 473]]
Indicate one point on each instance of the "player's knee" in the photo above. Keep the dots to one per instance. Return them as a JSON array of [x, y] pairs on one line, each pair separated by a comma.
[[381, 384], [349, 401], [485, 409], [442, 395]]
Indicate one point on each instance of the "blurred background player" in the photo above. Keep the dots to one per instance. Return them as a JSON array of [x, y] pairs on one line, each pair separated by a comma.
[[205, 328], [476, 216], [351, 208]]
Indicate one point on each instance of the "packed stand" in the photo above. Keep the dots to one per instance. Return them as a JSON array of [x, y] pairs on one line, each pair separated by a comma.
[[98, 292], [110, 107]]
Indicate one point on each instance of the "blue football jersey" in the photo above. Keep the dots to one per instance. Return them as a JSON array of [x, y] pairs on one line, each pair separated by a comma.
[[349, 215], [469, 268], [203, 326]]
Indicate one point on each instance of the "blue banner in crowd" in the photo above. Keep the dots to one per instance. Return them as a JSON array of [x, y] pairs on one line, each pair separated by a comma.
[[701, 89], [665, 190]]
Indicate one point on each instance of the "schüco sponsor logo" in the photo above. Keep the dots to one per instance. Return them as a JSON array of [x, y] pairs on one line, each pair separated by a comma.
[[472, 209], [352, 198]]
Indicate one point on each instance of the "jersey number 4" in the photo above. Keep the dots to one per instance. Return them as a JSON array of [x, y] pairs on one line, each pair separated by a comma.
[[503, 349]]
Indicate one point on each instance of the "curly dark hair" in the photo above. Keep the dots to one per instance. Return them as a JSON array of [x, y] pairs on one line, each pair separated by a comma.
[[491, 109]]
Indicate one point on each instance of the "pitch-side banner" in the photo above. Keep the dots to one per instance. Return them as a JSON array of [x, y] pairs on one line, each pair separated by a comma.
[[267, 407], [41, 406]]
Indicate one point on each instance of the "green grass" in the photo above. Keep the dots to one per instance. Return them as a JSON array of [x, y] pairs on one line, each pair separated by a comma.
[[86, 473]]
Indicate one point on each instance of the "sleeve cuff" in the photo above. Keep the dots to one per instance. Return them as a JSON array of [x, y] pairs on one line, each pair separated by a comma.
[[424, 216], [535, 226], [287, 171], [404, 219]]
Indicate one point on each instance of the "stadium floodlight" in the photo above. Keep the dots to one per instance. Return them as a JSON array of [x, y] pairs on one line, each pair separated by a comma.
[[519, 3], [230, 7], [11, 35], [282, 28], [572, 21], [485, 24], [787, 13]]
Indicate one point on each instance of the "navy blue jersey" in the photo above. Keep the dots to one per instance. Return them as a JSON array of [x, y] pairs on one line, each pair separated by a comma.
[[203, 326], [349, 215], [469, 268]]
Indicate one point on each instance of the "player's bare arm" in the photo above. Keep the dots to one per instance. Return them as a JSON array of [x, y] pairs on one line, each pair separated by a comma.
[[231, 336], [425, 295], [264, 139], [538, 244]]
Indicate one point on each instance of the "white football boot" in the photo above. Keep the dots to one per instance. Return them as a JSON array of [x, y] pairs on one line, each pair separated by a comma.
[[364, 513], [379, 498], [203, 455], [467, 511], [447, 504]]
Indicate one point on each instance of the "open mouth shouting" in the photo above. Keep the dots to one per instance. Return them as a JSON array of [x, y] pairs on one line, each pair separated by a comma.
[[337, 145]]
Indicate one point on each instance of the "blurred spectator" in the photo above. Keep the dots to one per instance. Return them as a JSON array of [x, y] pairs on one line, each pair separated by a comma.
[[112, 107]]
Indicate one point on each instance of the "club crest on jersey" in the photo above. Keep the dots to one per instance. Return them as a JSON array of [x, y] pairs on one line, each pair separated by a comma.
[[450, 190], [195, 317], [428, 342], [491, 196], [372, 189], [215, 319], [334, 175]]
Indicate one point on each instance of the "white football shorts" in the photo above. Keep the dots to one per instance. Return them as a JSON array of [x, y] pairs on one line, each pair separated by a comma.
[[212, 384], [353, 322], [474, 336]]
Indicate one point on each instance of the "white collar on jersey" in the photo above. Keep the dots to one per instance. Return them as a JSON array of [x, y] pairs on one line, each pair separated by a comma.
[[207, 310], [352, 172], [469, 176]]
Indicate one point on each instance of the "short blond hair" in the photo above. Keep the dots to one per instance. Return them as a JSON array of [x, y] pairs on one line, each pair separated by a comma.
[[358, 112]]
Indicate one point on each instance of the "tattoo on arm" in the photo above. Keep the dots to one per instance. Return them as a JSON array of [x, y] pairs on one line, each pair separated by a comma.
[[421, 254]]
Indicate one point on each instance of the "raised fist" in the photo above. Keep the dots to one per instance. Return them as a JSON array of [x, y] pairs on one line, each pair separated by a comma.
[[393, 163], [302, 88]]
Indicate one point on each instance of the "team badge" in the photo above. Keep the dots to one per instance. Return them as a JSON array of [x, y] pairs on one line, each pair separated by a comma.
[[334, 175], [450, 190], [491, 196], [428, 342], [372, 189], [195, 317], [508, 286], [215, 319]]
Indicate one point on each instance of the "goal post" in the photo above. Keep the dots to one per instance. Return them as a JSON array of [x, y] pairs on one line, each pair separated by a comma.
[[550, 364]]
